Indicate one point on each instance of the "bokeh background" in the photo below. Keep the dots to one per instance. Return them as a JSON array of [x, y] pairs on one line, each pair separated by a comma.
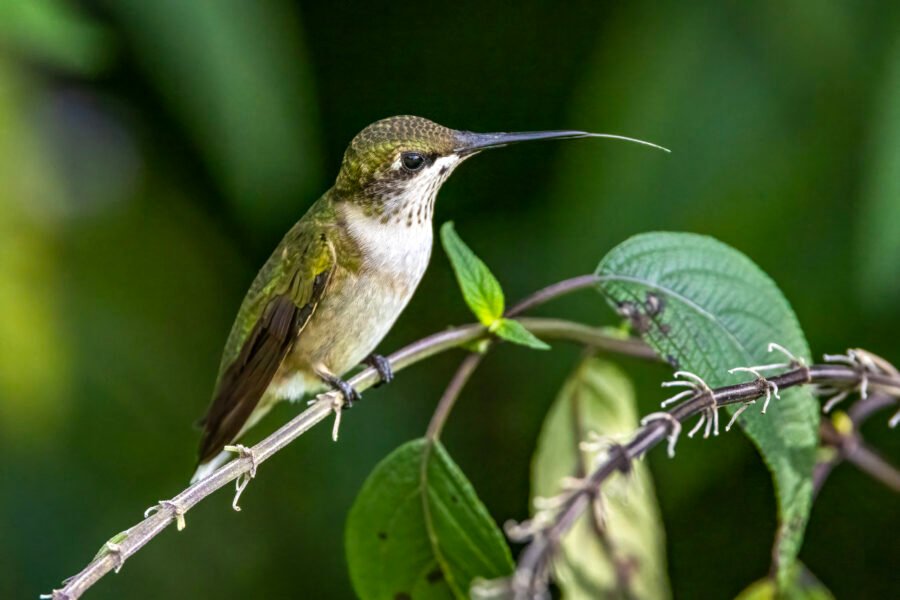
[[153, 153]]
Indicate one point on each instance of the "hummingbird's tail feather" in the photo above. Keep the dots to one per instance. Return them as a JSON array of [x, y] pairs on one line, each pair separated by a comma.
[[206, 469]]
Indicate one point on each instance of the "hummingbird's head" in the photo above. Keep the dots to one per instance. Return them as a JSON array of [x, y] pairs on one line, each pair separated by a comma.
[[394, 167]]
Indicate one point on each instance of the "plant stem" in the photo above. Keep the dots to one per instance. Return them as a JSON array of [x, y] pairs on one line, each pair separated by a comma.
[[551, 292], [448, 399], [173, 510], [567, 286], [530, 579], [852, 448]]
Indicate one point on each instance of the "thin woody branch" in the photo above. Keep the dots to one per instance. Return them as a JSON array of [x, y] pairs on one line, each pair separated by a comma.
[[534, 562], [842, 435], [531, 575], [125, 544]]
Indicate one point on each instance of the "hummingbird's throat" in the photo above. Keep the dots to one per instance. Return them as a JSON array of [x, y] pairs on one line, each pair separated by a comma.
[[410, 201]]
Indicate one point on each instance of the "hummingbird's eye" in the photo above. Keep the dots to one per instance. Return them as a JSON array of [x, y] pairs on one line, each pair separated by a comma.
[[412, 161]]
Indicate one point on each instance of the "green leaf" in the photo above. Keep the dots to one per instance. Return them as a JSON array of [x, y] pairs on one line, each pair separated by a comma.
[[707, 308], [802, 585], [515, 332], [417, 529], [598, 398], [480, 288], [879, 233]]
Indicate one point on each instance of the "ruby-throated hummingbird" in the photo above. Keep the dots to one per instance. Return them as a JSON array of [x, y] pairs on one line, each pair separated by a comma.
[[342, 275]]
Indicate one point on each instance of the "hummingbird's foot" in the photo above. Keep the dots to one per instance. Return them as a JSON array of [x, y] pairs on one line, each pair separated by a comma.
[[349, 392], [382, 365]]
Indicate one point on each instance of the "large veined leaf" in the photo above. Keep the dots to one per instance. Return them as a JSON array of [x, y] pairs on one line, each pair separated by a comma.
[[417, 529], [599, 399], [707, 308]]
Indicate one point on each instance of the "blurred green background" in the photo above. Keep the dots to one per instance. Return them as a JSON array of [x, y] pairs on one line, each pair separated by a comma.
[[153, 153]]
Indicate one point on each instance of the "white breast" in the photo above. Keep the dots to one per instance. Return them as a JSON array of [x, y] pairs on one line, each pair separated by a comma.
[[392, 249]]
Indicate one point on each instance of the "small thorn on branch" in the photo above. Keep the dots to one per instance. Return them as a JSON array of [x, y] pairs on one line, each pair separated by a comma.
[[699, 388], [674, 429], [694, 382], [337, 405], [771, 386], [115, 550], [834, 401], [737, 413], [177, 512], [795, 361], [241, 483]]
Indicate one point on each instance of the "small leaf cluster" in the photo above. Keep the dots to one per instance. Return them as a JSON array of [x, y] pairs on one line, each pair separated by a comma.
[[482, 291]]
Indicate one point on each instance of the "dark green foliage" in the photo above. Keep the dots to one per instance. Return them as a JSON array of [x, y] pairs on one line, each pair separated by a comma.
[[418, 530], [706, 308]]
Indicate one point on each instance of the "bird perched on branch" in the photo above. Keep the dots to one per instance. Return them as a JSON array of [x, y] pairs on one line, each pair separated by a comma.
[[342, 275]]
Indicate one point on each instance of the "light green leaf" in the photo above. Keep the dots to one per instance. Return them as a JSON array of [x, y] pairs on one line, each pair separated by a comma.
[[515, 332], [417, 529], [802, 585], [879, 232], [480, 288], [706, 308], [599, 398]]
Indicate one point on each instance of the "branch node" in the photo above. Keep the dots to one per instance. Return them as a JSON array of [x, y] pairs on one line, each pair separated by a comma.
[[864, 363], [771, 386], [699, 388], [568, 487], [528, 529], [694, 382], [243, 480], [115, 550], [674, 428], [177, 512]]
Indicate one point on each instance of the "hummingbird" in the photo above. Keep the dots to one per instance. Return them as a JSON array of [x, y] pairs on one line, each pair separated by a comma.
[[339, 279]]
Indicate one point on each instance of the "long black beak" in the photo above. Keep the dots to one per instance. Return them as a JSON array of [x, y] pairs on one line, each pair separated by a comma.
[[469, 142]]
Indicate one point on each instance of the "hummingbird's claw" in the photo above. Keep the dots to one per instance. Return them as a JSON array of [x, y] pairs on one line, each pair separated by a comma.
[[383, 366], [349, 392]]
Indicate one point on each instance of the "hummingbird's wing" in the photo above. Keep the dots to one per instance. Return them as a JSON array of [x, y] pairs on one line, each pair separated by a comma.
[[279, 304]]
